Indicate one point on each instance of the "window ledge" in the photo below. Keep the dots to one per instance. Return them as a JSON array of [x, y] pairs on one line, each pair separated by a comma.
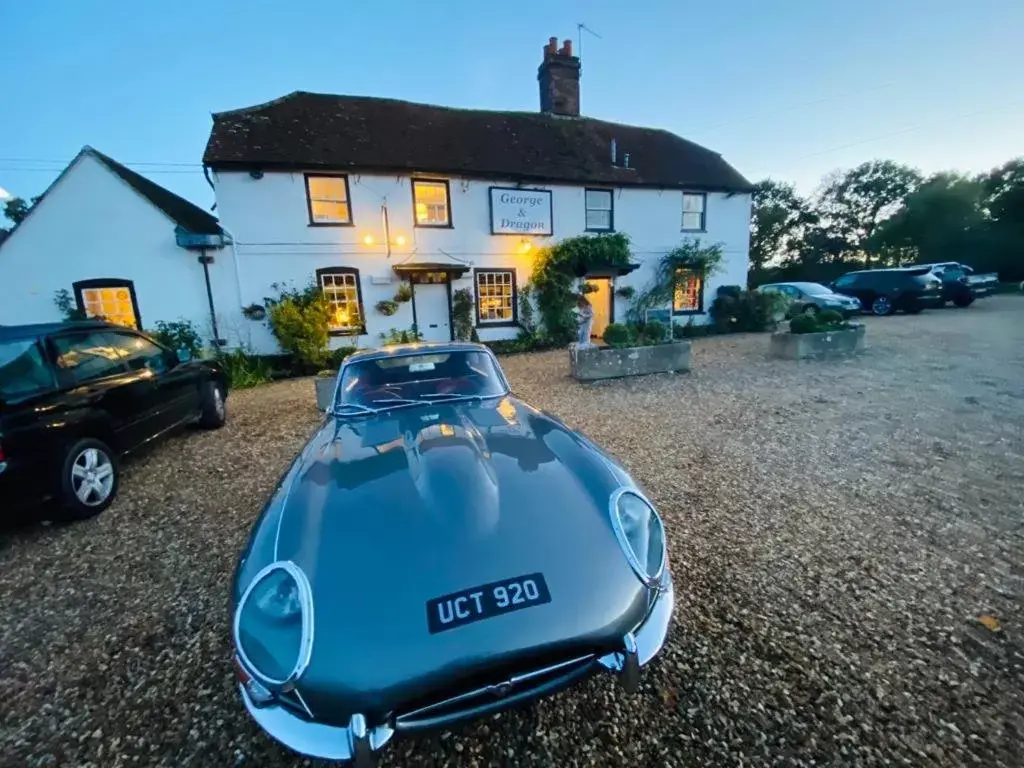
[[496, 324], [434, 226], [599, 230], [683, 312], [696, 231], [346, 331], [330, 224]]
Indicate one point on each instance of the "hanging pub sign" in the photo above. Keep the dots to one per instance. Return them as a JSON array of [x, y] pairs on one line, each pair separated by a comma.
[[520, 211]]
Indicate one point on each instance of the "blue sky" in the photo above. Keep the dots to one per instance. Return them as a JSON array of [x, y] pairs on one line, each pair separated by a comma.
[[791, 88]]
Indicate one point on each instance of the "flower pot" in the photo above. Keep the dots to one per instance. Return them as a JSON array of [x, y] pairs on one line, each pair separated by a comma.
[[592, 363], [826, 345]]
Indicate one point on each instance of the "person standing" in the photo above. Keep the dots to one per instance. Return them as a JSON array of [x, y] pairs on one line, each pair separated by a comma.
[[585, 318]]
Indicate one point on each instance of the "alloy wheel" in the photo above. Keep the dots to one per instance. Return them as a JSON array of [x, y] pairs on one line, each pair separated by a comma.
[[92, 477], [881, 306]]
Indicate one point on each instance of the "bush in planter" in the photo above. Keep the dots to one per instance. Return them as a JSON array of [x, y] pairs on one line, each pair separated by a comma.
[[829, 320], [803, 324], [617, 335], [745, 311], [654, 332], [178, 334]]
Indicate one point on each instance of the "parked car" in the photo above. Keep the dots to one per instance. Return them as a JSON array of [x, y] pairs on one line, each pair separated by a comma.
[[438, 551], [811, 298], [959, 283], [884, 291], [75, 397]]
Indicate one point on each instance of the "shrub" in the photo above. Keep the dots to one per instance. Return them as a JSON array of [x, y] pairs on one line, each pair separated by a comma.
[[617, 335], [829, 317], [744, 312], [729, 290], [387, 307], [654, 331], [626, 292], [401, 336], [300, 321], [680, 331], [403, 294], [462, 315], [244, 370], [178, 334], [803, 324], [338, 356], [527, 319]]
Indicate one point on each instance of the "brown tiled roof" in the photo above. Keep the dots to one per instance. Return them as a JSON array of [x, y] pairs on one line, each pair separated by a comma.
[[316, 131]]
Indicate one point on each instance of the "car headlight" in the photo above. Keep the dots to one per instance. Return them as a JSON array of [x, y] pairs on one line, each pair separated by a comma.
[[274, 625], [640, 532]]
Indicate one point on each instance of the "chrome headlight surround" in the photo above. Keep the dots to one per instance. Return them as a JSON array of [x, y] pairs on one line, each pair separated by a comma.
[[305, 650], [651, 580]]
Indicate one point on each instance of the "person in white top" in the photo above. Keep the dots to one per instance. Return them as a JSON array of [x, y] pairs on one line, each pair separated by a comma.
[[585, 315]]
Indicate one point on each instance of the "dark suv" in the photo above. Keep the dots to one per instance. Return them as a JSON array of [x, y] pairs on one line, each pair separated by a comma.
[[74, 397], [883, 291]]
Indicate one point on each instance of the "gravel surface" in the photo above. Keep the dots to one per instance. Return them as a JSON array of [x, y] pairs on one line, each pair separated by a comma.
[[840, 534]]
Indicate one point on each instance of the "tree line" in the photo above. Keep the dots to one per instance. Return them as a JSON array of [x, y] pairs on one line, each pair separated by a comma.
[[883, 213]]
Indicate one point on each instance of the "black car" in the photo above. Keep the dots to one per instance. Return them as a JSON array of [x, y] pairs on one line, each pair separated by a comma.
[[883, 291], [74, 397]]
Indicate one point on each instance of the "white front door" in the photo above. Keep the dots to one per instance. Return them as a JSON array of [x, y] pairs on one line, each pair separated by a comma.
[[432, 311]]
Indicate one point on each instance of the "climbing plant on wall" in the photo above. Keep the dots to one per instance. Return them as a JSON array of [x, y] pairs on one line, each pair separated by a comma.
[[706, 260], [558, 270]]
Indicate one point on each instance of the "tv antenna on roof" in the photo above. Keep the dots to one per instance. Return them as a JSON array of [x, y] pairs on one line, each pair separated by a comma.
[[580, 29]]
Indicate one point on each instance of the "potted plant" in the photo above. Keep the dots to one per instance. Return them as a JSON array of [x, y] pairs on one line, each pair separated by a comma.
[[633, 350], [387, 307], [822, 335]]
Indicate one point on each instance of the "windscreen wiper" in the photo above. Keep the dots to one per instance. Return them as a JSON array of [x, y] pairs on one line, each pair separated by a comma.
[[357, 407]]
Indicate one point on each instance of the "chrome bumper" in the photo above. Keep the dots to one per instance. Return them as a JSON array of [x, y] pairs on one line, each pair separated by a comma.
[[357, 742]]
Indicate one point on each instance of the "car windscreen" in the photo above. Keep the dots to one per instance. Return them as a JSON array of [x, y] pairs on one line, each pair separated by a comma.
[[427, 377], [23, 371], [813, 289]]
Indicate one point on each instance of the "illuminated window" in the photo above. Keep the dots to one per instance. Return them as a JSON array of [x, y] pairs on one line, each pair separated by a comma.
[[110, 300], [327, 197], [341, 289], [495, 296], [431, 201], [688, 294], [694, 211], [599, 210]]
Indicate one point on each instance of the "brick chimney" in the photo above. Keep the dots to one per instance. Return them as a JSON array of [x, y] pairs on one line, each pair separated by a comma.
[[559, 77]]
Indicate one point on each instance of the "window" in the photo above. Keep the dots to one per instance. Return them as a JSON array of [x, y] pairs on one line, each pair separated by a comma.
[[694, 211], [599, 210], [846, 281], [495, 296], [141, 354], [431, 201], [23, 371], [89, 356], [109, 299], [341, 289], [688, 294], [327, 199]]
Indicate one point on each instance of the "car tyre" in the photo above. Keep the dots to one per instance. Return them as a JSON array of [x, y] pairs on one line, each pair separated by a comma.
[[89, 479], [213, 410], [963, 300], [882, 305]]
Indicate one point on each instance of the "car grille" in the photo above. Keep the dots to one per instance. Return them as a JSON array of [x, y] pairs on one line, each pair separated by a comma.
[[496, 695]]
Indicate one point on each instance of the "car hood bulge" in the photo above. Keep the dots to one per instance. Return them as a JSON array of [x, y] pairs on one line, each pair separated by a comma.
[[390, 511]]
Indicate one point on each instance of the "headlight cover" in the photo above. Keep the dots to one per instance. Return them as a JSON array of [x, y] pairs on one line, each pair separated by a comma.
[[274, 625], [640, 532]]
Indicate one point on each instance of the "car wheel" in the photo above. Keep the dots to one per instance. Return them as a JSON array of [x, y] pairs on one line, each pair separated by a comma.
[[963, 300], [810, 309], [882, 305], [214, 406], [88, 480]]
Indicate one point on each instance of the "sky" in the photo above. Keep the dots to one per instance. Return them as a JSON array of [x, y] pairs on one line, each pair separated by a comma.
[[791, 89]]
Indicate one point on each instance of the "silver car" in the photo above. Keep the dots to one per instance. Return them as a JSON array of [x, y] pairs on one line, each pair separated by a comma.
[[439, 551], [810, 298]]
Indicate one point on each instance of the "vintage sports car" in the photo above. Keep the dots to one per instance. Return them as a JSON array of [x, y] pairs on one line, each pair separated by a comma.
[[438, 551]]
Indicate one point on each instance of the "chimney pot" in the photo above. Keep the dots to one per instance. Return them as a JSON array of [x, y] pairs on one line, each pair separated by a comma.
[[566, 48], [552, 47]]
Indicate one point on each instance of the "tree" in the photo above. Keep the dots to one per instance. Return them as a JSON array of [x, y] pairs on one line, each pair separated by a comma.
[[1003, 206], [851, 205], [16, 209], [940, 221], [777, 217]]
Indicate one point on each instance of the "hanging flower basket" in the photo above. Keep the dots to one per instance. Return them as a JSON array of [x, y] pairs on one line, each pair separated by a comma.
[[255, 312], [403, 294], [387, 307]]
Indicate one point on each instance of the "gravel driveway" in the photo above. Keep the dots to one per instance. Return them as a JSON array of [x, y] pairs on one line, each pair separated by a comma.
[[836, 529]]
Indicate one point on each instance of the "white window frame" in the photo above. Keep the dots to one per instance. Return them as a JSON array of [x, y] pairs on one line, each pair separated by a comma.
[[495, 277], [703, 197], [345, 278], [447, 223]]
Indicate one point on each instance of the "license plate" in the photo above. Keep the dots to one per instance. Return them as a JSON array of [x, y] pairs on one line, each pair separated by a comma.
[[486, 601]]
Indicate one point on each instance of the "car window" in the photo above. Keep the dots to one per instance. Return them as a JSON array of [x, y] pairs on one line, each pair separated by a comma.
[[791, 290], [769, 289], [88, 356], [846, 281], [373, 383], [951, 273], [23, 370], [141, 354]]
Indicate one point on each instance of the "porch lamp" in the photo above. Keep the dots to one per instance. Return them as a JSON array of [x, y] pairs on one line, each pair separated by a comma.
[[525, 245]]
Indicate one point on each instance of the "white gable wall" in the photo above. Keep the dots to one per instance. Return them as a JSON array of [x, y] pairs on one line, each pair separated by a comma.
[[91, 224], [275, 243]]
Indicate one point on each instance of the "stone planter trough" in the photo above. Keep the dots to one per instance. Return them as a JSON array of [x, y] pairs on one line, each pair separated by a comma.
[[821, 346], [592, 363], [325, 391]]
